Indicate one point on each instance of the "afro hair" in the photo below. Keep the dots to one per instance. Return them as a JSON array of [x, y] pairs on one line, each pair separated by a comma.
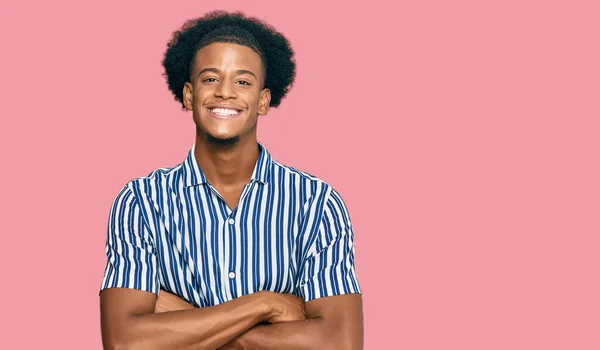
[[276, 54]]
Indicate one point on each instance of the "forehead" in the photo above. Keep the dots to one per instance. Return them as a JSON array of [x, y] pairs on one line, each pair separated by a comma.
[[225, 56]]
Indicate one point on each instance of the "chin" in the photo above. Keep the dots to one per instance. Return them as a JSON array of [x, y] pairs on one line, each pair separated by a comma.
[[223, 140]]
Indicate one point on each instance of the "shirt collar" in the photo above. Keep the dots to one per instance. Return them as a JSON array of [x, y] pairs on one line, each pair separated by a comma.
[[193, 175]]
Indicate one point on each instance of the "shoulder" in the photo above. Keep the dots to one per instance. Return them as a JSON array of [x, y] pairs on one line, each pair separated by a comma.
[[154, 181], [311, 184], [159, 175], [298, 175]]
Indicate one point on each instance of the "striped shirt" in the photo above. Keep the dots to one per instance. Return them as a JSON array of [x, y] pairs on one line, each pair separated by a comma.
[[290, 233]]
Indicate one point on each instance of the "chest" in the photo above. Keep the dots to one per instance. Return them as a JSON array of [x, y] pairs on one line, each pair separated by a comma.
[[210, 253]]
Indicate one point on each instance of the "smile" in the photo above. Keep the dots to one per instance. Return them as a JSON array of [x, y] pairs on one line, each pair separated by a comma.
[[224, 112]]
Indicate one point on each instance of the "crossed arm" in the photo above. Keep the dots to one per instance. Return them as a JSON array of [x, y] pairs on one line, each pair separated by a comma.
[[129, 321]]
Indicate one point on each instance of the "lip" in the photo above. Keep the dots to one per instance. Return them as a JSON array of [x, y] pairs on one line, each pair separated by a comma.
[[240, 110]]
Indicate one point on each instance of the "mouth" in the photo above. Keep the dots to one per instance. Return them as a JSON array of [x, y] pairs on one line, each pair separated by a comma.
[[224, 113]]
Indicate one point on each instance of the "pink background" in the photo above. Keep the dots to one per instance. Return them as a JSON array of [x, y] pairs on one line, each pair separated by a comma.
[[464, 138]]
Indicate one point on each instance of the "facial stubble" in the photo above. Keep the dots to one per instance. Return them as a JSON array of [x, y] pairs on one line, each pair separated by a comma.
[[220, 142]]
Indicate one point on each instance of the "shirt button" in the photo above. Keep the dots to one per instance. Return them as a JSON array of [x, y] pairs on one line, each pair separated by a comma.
[[231, 221], [232, 275]]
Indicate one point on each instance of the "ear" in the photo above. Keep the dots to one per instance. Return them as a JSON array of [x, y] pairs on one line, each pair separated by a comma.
[[188, 93], [264, 101]]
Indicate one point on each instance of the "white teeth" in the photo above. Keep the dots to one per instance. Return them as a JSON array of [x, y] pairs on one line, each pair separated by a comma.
[[224, 111]]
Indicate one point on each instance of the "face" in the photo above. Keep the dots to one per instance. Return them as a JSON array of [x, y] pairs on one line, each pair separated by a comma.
[[226, 92]]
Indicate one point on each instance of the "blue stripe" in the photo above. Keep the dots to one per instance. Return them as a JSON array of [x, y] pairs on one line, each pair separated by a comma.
[[171, 230]]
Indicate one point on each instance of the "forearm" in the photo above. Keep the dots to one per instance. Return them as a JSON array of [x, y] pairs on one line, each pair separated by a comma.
[[313, 333], [202, 328]]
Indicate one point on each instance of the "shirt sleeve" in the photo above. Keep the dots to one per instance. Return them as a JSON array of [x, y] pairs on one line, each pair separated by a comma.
[[131, 253], [329, 267]]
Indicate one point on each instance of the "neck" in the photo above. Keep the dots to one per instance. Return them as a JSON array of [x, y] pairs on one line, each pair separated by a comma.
[[227, 165]]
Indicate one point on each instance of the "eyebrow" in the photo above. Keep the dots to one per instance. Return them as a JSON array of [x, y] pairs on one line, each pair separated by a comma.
[[239, 72]]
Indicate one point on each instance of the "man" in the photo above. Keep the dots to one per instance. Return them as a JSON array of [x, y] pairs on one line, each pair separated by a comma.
[[230, 249]]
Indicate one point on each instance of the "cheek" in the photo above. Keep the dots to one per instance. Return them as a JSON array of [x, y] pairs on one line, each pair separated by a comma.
[[199, 95], [202, 92], [253, 99]]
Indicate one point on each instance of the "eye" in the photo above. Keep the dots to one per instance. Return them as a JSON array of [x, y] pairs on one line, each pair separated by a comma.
[[244, 82], [209, 80]]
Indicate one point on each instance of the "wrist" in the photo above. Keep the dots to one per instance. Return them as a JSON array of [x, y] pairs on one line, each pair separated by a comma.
[[268, 308]]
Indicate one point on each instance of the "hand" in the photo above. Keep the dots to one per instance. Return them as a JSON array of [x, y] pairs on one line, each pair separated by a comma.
[[170, 302], [286, 308]]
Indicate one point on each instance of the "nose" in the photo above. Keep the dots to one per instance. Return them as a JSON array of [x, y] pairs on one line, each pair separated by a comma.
[[226, 90]]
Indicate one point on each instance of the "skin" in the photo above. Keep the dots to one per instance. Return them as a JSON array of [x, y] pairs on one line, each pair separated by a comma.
[[128, 320], [227, 75], [226, 149], [325, 327]]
